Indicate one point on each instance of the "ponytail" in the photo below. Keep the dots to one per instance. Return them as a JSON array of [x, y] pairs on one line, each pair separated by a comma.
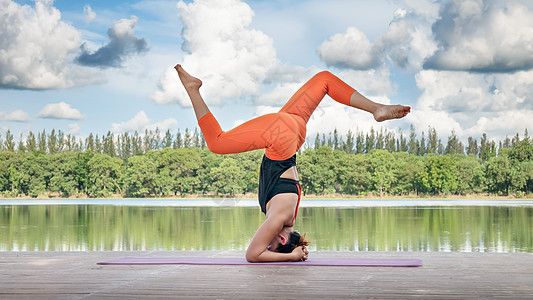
[[295, 240]]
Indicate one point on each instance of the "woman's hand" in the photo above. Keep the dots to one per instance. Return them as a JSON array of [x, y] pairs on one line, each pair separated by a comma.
[[300, 253]]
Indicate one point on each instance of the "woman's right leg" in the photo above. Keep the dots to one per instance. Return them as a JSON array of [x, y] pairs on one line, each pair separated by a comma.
[[307, 98]]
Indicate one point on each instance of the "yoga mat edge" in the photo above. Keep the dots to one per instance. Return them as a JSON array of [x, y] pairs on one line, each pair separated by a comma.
[[341, 262]]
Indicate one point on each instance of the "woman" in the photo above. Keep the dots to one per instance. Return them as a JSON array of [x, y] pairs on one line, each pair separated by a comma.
[[281, 135]]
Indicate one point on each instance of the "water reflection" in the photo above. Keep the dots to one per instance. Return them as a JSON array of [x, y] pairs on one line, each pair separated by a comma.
[[105, 228]]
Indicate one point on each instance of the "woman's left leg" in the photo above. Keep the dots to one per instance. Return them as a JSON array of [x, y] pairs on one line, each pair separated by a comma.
[[192, 86]]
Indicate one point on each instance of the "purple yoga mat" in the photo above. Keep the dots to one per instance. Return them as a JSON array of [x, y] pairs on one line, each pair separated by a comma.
[[342, 262]]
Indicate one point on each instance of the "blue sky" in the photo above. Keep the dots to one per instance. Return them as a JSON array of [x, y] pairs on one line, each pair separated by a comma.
[[99, 66]]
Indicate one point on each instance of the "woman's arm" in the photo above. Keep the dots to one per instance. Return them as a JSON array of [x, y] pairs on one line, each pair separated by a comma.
[[257, 250]]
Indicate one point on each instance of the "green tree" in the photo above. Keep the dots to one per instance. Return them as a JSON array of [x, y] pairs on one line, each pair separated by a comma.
[[316, 170], [498, 174], [31, 143], [350, 143], [352, 173], [472, 148], [422, 146], [104, 173], [454, 145], [438, 175], [167, 140], [141, 176], [228, 178], [521, 159], [35, 174], [10, 171], [63, 169], [413, 142], [9, 142], [82, 171], [53, 142], [360, 143], [178, 169], [469, 174], [407, 166], [433, 140], [381, 163]]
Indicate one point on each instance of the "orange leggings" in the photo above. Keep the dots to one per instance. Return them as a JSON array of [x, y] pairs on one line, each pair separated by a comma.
[[280, 134]]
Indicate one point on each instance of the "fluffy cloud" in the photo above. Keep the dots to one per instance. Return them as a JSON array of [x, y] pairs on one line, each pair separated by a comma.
[[37, 47], [137, 123], [408, 40], [140, 122], [60, 110], [122, 43], [473, 35], [15, 116], [488, 103], [486, 48], [351, 49], [479, 36], [90, 15], [231, 59], [73, 128]]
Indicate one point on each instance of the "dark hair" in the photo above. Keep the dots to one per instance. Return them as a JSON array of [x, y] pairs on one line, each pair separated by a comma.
[[295, 240]]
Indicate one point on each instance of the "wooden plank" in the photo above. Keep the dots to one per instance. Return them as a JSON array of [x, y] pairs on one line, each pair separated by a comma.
[[75, 275]]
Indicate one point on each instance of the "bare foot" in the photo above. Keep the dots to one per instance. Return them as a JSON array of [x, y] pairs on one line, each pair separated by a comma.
[[388, 112], [189, 82]]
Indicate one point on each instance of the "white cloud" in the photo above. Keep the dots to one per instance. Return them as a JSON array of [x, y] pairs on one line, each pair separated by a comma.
[[351, 49], [447, 91], [90, 15], [480, 36], [137, 123], [374, 84], [37, 47], [406, 43], [474, 103], [231, 58], [408, 40], [15, 116], [442, 121], [140, 122], [60, 110], [501, 124], [163, 126], [73, 128]]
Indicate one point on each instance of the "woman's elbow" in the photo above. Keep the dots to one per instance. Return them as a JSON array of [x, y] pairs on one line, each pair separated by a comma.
[[251, 257], [217, 147]]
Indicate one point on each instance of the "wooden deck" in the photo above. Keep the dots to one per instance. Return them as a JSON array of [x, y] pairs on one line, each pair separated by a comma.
[[75, 275]]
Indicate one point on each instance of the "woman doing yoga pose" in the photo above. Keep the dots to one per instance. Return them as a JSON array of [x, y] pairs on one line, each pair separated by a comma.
[[281, 135]]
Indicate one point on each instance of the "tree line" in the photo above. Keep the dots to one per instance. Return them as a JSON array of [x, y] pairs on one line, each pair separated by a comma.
[[158, 165]]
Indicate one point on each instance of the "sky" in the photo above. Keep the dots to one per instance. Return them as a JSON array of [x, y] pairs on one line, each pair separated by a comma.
[[107, 66]]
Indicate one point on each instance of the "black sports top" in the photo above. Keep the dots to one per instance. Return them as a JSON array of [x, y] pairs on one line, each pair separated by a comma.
[[269, 175]]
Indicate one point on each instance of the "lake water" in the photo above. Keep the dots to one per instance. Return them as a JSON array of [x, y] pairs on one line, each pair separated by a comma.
[[332, 225]]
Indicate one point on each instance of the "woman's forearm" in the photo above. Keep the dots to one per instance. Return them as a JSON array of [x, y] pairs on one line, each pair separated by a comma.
[[268, 256]]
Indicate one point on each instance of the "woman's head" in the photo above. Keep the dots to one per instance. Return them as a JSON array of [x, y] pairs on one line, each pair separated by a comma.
[[288, 240]]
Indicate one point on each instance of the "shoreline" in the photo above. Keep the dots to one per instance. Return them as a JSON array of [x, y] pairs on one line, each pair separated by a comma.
[[327, 197], [252, 203]]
